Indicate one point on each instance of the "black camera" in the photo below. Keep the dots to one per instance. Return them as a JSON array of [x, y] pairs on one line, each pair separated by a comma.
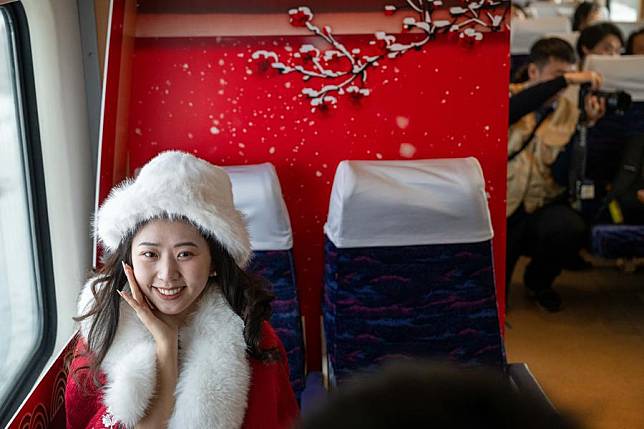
[[617, 101]]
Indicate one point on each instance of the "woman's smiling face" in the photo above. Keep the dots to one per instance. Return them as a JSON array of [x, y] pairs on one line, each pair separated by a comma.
[[172, 264]]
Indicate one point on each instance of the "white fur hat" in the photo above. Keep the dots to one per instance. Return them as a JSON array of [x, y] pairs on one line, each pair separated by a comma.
[[176, 184]]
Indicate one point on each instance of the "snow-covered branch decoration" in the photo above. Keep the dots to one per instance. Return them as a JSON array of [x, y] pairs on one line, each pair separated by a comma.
[[348, 69]]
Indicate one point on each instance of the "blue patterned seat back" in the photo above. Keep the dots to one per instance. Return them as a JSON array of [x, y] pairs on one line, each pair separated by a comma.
[[258, 195], [430, 293], [618, 241], [278, 269], [434, 301]]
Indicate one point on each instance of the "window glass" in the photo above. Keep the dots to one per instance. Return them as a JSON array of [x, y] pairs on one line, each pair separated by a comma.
[[624, 10], [20, 306]]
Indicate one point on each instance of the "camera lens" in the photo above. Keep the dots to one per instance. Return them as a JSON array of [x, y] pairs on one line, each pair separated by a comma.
[[618, 101]]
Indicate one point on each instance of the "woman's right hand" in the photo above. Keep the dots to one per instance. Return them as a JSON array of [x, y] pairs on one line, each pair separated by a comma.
[[166, 336], [164, 331], [578, 77]]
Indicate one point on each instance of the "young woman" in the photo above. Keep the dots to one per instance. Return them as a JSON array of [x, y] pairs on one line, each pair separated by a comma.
[[173, 332]]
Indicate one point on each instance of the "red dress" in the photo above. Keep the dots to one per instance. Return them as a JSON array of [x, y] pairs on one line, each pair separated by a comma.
[[271, 403]]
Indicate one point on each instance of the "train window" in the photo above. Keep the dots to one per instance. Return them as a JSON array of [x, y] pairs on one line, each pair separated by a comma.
[[25, 316], [624, 10]]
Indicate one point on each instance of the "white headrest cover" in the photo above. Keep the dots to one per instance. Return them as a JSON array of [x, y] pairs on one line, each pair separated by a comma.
[[570, 37], [258, 195], [406, 203], [625, 73], [527, 31], [543, 9]]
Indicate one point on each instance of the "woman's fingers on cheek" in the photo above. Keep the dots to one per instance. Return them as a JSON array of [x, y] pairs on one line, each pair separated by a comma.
[[127, 298], [142, 310], [128, 274], [134, 287]]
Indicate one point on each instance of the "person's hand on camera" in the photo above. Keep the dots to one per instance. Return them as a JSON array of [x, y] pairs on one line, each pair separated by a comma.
[[595, 108], [579, 77]]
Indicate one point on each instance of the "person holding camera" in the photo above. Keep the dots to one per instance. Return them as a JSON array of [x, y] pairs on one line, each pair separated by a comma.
[[614, 151], [541, 224]]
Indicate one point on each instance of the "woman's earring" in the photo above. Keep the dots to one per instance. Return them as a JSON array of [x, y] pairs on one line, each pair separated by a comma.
[[213, 274]]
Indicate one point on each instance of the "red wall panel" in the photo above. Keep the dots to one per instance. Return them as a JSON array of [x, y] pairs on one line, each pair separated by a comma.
[[206, 96]]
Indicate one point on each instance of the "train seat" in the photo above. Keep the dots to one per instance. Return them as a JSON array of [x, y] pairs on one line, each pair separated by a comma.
[[525, 32], [408, 266], [618, 241], [570, 36], [258, 195], [605, 145], [547, 9]]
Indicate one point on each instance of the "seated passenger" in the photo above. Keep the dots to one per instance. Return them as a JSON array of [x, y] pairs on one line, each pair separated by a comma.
[[173, 333], [518, 12], [614, 147], [587, 13], [599, 39], [635, 43], [541, 224]]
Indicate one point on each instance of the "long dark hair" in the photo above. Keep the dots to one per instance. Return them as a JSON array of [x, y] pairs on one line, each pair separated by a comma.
[[244, 292], [582, 13]]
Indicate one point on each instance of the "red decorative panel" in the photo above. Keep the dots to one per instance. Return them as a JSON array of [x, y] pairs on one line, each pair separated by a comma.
[[45, 406], [207, 96]]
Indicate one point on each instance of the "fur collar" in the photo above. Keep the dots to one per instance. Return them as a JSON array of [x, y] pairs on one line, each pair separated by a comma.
[[214, 374]]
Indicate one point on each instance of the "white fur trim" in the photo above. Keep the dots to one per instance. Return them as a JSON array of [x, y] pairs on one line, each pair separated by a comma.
[[176, 184], [214, 379]]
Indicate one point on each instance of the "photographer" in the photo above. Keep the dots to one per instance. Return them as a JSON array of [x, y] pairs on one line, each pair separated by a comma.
[[615, 147], [541, 224]]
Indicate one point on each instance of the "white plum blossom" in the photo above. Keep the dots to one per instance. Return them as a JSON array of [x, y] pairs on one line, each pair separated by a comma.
[[302, 9], [349, 76], [358, 91], [264, 54], [309, 48]]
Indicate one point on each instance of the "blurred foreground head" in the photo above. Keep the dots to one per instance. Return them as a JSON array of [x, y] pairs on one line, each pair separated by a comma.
[[426, 395]]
